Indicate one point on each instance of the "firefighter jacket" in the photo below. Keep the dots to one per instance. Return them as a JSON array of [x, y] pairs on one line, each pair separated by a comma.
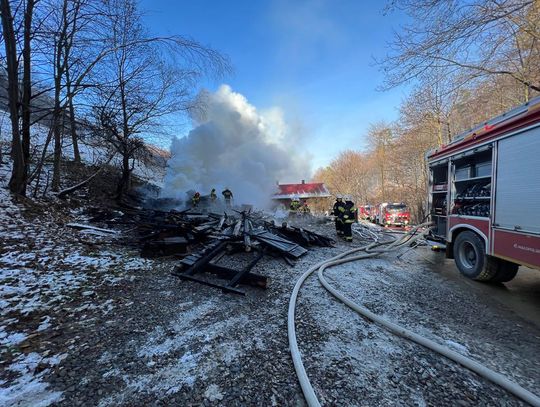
[[213, 195], [339, 208], [227, 194], [349, 212], [294, 206]]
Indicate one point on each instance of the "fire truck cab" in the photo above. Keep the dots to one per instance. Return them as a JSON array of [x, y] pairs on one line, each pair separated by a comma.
[[393, 214], [484, 195]]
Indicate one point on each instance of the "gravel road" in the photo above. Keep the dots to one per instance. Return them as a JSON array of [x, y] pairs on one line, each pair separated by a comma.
[[131, 334]]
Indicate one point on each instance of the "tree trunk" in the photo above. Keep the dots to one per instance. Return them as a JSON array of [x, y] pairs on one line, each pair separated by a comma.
[[439, 131], [27, 90], [125, 180], [57, 143], [17, 183], [383, 172], [59, 70], [73, 131], [72, 123]]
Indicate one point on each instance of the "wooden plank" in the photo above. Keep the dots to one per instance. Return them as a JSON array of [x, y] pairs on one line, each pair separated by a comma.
[[221, 222], [252, 279], [281, 244], [209, 283], [237, 227]]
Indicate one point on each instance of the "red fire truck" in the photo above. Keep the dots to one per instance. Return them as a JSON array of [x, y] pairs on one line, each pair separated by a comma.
[[393, 214], [365, 212], [484, 196]]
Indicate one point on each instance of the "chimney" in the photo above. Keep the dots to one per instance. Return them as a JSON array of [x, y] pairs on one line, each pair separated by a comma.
[[303, 181]]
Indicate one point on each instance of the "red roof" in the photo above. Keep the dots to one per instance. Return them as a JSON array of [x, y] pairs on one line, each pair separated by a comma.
[[310, 190]]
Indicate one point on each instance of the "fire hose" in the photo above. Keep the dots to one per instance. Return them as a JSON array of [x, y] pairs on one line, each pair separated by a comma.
[[372, 250]]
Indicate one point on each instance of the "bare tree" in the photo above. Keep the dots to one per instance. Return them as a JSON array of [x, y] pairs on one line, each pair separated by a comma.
[[84, 50], [20, 144], [479, 37], [149, 78], [17, 176], [380, 137], [27, 87], [59, 68], [68, 28]]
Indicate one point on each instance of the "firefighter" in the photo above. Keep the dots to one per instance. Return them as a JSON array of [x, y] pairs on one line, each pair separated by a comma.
[[349, 217], [195, 199], [305, 208], [295, 205], [338, 212], [228, 195], [213, 195]]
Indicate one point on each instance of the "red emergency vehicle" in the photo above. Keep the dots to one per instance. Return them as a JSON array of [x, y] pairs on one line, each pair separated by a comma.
[[393, 214], [365, 212], [484, 196]]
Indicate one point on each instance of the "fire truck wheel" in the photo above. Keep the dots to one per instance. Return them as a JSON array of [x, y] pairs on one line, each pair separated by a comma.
[[470, 257], [506, 271]]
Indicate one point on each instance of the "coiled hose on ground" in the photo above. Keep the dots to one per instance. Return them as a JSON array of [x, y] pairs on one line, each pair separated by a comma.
[[372, 250]]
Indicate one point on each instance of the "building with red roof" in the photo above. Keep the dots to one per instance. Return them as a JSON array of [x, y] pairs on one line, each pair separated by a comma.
[[304, 191]]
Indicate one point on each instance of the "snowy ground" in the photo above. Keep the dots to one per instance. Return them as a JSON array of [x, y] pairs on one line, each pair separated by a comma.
[[50, 277], [357, 360], [85, 321]]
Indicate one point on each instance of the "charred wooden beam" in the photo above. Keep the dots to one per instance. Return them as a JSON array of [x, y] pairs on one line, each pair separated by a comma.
[[209, 283], [165, 247], [201, 263], [279, 243], [252, 279]]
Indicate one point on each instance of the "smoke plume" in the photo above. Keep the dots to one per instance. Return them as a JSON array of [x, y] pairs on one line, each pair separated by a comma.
[[233, 145]]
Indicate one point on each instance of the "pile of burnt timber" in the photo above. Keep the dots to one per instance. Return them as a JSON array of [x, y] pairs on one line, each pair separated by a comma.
[[200, 240], [205, 261], [174, 233], [231, 235]]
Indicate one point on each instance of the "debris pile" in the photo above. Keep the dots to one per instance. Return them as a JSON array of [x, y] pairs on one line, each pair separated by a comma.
[[200, 240]]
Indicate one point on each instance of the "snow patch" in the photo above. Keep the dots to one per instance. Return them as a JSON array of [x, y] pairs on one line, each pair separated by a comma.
[[11, 339], [213, 393], [28, 389]]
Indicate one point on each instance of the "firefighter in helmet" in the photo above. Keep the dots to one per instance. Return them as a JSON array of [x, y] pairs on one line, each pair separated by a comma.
[[349, 217], [196, 199], [337, 211], [295, 204], [213, 195], [228, 195]]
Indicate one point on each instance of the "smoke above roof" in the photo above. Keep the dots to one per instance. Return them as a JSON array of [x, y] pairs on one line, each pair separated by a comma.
[[234, 145]]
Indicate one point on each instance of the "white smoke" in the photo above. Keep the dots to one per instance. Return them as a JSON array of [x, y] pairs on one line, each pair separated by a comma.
[[235, 146]]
